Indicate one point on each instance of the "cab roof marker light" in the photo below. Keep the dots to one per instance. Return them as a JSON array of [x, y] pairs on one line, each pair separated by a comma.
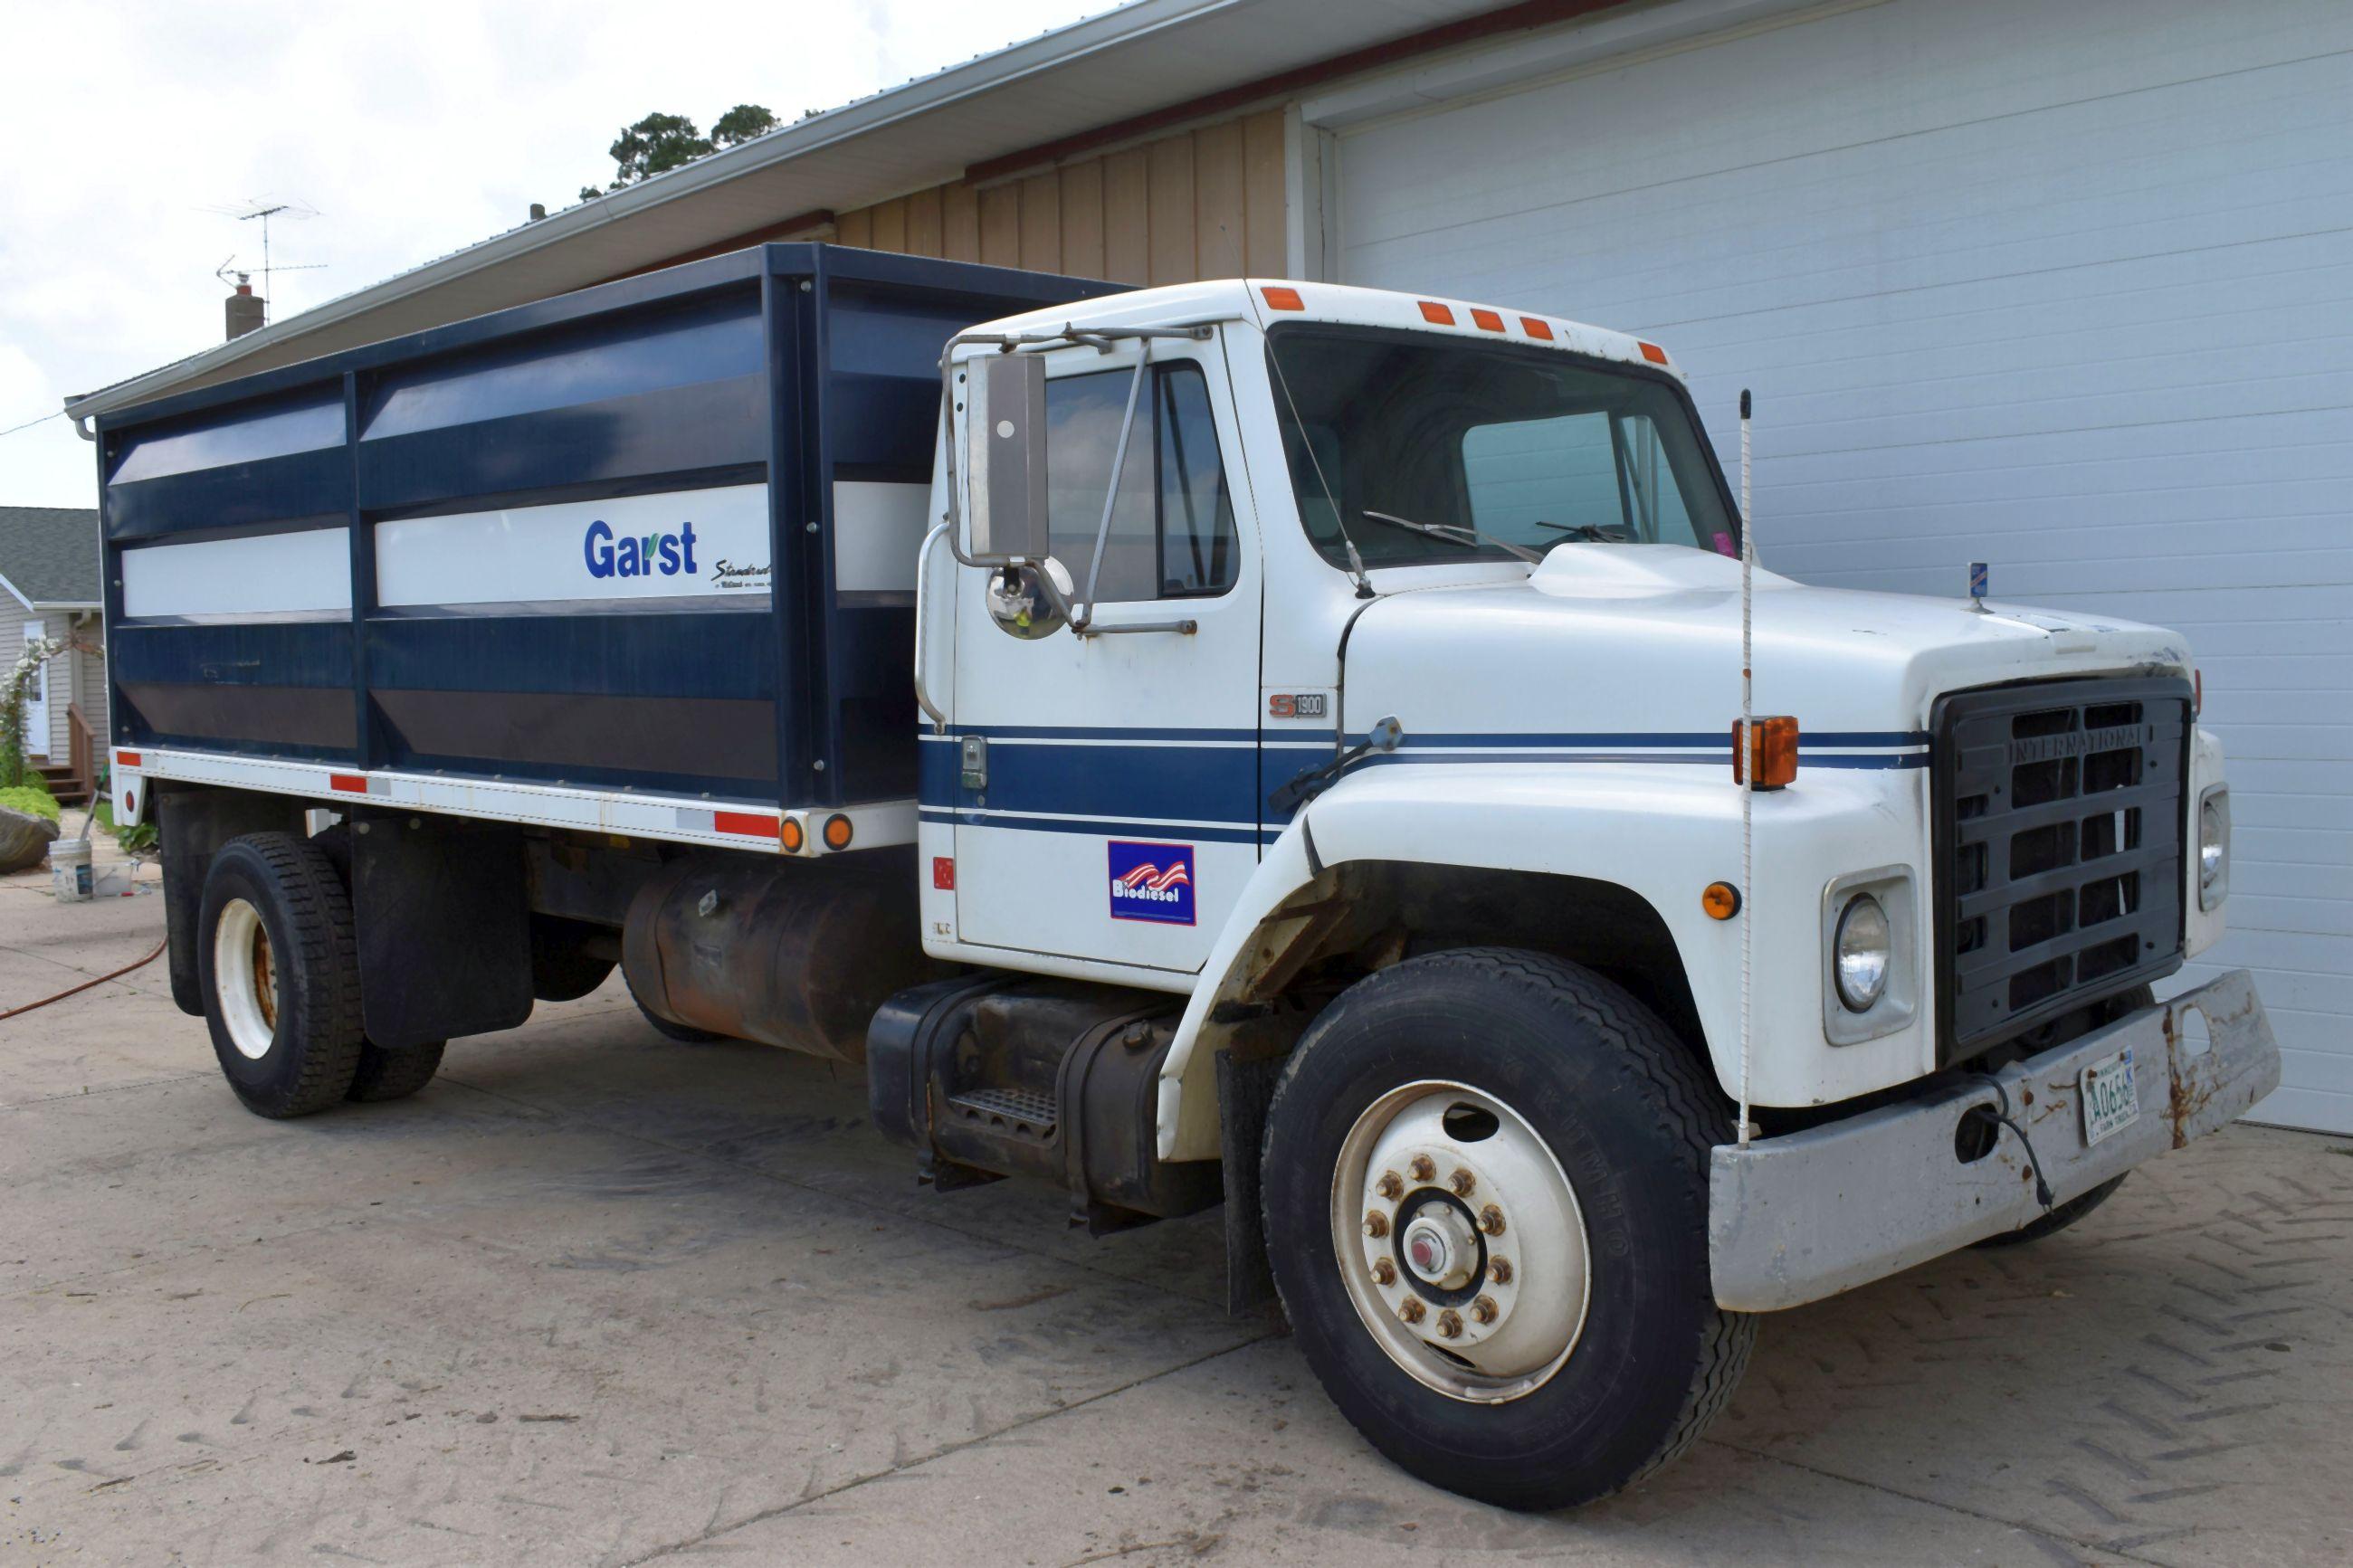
[[1538, 328], [1655, 353], [1436, 313], [1487, 321], [1281, 299]]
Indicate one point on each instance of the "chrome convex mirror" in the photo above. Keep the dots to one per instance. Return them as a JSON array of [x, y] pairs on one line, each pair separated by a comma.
[[1019, 603]]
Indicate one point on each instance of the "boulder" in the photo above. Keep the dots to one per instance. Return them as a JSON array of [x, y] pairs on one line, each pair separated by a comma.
[[23, 838]]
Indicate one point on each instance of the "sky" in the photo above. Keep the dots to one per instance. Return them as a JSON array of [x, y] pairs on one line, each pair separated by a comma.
[[411, 129]]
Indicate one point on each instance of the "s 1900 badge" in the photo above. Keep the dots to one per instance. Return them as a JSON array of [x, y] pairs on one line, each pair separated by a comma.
[[1152, 882]]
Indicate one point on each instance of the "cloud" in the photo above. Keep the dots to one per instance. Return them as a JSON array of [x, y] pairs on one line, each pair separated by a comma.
[[414, 129]]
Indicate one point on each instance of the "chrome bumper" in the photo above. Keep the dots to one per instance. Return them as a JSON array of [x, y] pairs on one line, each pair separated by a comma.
[[1796, 1219]]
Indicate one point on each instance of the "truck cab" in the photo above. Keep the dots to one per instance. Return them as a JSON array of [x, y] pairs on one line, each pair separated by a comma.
[[1322, 751]]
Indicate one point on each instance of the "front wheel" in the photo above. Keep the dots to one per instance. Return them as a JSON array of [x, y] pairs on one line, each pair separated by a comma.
[[1485, 1187]]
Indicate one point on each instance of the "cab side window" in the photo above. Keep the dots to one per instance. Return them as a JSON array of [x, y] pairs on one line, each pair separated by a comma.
[[1172, 522]]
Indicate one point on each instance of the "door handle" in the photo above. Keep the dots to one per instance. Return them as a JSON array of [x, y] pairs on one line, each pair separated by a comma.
[[922, 577]]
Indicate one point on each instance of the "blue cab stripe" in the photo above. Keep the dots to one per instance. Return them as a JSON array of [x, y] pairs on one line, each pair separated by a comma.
[[1107, 828]]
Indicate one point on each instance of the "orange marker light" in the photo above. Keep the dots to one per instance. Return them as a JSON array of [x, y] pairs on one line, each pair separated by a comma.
[[1655, 353], [791, 835], [1281, 298], [1720, 899], [128, 759], [1540, 330], [837, 832], [1775, 742], [1487, 321], [1431, 311]]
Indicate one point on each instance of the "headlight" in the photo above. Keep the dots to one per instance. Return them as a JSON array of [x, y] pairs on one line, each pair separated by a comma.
[[2214, 849], [1860, 952]]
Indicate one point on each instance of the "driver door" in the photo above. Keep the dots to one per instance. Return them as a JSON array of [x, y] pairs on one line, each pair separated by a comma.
[[1113, 815]]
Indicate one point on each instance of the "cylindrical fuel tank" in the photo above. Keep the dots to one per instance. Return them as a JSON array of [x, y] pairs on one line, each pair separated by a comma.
[[798, 953]]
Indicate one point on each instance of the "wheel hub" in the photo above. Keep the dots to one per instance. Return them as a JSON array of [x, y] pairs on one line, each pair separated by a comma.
[[1469, 1260], [1440, 1248]]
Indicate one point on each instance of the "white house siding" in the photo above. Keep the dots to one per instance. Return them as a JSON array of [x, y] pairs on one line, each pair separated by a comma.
[[79, 678], [2067, 288]]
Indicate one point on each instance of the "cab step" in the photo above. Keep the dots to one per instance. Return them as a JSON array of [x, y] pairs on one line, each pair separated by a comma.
[[1000, 1074]]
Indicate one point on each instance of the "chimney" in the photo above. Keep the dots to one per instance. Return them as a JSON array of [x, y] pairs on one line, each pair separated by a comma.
[[244, 306], [538, 211]]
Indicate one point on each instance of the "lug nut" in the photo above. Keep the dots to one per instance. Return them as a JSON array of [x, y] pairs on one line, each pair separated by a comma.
[[1499, 1270], [1491, 1220], [1462, 1181], [1390, 1185], [1413, 1310], [1422, 1166], [1449, 1323], [1483, 1309], [1384, 1271], [1377, 1223]]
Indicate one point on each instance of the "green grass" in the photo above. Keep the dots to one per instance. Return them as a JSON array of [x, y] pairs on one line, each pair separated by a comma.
[[32, 799]]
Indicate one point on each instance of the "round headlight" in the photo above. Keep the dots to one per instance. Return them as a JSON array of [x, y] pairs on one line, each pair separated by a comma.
[[1861, 953]]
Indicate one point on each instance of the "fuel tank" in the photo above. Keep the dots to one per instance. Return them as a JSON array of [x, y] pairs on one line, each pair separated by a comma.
[[792, 953]]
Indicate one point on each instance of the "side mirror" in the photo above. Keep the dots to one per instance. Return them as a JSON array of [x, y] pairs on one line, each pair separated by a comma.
[[1005, 459]]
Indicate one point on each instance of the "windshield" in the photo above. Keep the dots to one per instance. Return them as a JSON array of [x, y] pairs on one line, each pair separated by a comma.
[[1526, 446]]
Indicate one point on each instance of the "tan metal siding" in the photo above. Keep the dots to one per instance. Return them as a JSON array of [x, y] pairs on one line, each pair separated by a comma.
[[1204, 203]]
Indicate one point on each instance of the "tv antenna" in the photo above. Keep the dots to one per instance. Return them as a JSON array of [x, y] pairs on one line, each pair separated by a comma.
[[261, 210]]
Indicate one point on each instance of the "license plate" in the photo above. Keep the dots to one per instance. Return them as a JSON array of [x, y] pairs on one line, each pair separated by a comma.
[[2110, 1096]]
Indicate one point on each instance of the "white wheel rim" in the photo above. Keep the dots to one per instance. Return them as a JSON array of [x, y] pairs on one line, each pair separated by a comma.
[[245, 977], [1440, 1173]]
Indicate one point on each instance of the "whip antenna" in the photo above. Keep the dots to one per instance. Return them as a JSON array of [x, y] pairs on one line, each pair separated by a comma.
[[1748, 765]]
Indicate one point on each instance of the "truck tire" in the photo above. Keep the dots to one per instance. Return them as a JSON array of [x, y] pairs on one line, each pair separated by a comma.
[[1505, 1152], [278, 968], [381, 1075], [393, 1075], [2107, 1010]]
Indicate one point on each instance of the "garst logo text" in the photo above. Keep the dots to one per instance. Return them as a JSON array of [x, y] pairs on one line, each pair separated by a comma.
[[668, 553]]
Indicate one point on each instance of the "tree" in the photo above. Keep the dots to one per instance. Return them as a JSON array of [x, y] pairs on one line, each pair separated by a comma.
[[740, 124], [660, 143]]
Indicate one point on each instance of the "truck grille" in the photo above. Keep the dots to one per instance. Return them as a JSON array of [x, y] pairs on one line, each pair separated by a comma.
[[2059, 842]]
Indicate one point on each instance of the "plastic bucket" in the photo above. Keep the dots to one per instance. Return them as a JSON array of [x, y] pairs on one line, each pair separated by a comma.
[[69, 871]]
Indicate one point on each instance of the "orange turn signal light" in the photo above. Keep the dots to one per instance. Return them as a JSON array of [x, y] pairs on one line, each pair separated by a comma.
[[837, 832], [1720, 899], [792, 836], [1279, 297], [1773, 742]]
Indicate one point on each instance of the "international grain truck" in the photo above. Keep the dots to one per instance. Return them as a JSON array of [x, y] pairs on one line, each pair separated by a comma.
[[1316, 749]]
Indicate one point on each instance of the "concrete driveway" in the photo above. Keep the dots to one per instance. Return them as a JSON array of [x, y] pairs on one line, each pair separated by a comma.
[[596, 1297]]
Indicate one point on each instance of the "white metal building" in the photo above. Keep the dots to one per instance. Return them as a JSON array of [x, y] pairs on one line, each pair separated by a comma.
[[2067, 288]]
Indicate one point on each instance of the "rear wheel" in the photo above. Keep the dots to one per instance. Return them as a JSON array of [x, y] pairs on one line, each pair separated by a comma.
[[1485, 1187], [278, 968], [381, 1074]]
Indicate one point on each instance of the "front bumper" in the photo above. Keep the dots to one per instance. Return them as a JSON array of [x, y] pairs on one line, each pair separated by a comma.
[[1796, 1219]]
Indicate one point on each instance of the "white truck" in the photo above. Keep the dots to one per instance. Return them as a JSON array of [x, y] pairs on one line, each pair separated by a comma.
[[1266, 743]]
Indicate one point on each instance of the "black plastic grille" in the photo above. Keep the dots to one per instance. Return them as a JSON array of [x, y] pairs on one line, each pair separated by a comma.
[[2059, 840]]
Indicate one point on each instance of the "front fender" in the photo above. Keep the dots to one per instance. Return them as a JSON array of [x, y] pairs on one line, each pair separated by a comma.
[[1663, 832]]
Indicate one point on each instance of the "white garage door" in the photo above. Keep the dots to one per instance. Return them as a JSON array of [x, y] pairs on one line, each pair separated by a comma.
[[2067, 288]]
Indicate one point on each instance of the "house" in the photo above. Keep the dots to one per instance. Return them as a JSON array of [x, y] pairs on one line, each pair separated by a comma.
[[2049, 287], [48, 588]]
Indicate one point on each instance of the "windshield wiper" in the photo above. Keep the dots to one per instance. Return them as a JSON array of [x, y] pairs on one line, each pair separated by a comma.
[[1589, 532], [1456, 533]]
